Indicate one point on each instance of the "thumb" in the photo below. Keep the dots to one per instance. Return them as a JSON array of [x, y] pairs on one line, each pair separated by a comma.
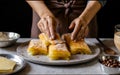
[[86, 31], [72, 25]]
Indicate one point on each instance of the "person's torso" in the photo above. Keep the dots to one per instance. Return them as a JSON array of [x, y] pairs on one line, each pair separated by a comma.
[[65, 11]]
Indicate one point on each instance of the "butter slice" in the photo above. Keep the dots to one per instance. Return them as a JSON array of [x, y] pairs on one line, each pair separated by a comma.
[[6, 65]]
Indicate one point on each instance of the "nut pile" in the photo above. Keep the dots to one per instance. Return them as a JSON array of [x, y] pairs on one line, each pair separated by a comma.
[[111, 63]]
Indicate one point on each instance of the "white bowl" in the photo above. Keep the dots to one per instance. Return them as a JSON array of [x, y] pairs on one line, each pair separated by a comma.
[[12, 37], [107, 69]]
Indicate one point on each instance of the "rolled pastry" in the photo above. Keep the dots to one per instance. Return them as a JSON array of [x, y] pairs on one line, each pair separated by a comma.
[[59, 51], [37, 47], [46, 41], [78, 47]]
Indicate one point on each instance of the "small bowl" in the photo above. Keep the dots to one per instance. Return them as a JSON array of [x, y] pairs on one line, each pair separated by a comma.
[[107, 68], [12, 37]]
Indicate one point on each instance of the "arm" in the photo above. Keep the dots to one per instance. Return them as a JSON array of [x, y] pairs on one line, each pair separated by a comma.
[[102, 2], [90, 11], [47, 22], [40, 7], [80, 24]]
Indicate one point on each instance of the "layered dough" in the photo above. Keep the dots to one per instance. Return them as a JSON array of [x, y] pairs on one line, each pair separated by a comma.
[[36, 47], [59, 51], [46, 41], [78, 47], [59, 48]]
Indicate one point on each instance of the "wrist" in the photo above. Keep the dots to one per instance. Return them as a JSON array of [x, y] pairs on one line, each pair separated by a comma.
[[90, 11], [45, 14], [50, 18], [84, 19]]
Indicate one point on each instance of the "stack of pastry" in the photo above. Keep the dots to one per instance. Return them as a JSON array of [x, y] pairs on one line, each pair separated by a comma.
[[57, 49]]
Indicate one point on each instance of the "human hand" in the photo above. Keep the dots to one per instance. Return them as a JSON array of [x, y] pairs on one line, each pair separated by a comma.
[[47, 25], [80, 29]]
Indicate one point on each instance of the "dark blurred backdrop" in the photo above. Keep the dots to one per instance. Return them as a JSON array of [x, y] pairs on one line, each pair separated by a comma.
[[16, 16], [108, 17]]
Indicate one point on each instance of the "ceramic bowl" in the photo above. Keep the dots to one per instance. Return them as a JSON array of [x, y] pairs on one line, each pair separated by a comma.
[[107, 64], [11, 38]]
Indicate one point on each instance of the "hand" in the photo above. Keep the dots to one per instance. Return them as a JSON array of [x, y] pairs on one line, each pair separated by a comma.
[[80, 29], [47, 25]]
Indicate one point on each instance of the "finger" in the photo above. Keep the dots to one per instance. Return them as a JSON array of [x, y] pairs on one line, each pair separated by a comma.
[[86, 31], [72, 25], [81, 33], [79, 36], [40, 26], [46, 28], [51, 27], [75, 31]]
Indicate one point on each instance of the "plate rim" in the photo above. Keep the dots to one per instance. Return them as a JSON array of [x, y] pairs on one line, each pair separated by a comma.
[[14, 71], [56, 63]]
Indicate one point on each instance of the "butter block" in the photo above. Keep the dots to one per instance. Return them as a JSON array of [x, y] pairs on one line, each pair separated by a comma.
[[6, 65]]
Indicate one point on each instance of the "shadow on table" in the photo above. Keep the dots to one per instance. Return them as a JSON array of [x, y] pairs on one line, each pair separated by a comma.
[[23, 71], [109, 43]]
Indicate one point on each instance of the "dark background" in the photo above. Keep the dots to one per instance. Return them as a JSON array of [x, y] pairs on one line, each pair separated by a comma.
[[108, 17], [16, 16]]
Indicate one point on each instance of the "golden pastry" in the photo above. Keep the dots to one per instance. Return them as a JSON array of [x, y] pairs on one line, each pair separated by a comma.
[[37, 47], [59, 51], [78, 47], [44, 39]]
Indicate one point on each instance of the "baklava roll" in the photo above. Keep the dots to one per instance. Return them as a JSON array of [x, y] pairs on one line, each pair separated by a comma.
[[45, 39], [59, 51], [36, 47], [78, 47]]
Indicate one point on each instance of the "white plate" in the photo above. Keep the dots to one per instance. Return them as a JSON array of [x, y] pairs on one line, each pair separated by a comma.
[[42, 59], [20, 62]]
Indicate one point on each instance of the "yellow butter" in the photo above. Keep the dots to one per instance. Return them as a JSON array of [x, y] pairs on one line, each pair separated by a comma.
[[6, 65]]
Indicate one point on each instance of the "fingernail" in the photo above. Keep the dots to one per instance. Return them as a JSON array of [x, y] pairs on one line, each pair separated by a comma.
[[74, 40], [52, 37], [71, 37]]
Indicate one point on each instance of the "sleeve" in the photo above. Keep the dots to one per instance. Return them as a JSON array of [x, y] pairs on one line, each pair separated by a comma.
[[102, 2]]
